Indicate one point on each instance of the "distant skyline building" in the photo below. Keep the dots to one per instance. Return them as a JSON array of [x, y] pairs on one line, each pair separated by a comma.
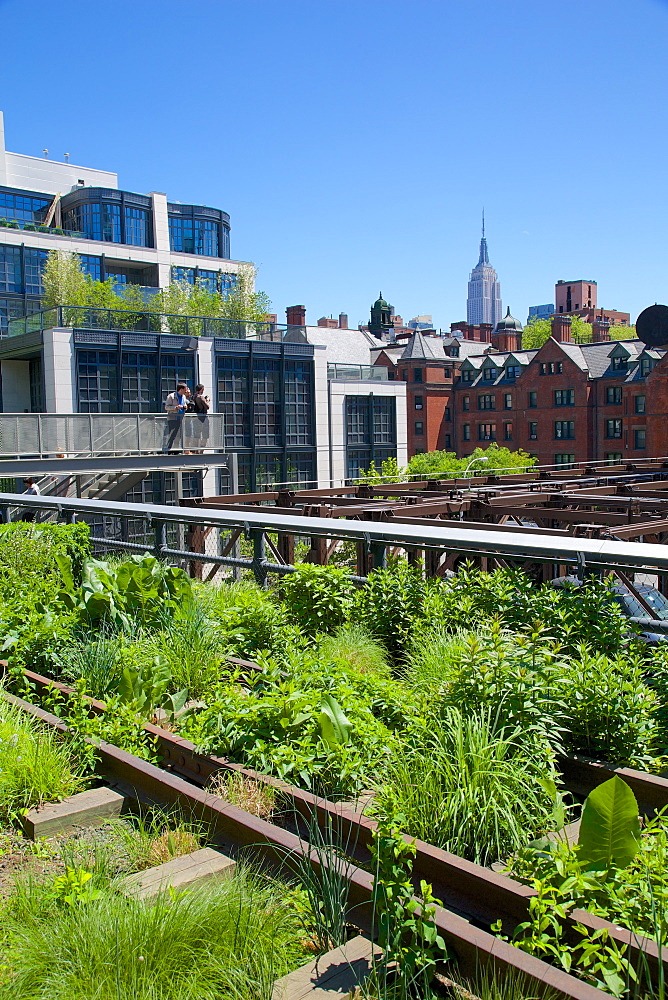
[[545, 311], [483, 304]]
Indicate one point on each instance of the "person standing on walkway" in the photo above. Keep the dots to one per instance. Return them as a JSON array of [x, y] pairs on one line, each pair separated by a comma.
[[175, 406], [33, 489], [200, 420]]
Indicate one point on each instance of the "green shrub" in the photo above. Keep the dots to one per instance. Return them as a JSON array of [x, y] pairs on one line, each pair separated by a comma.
[[231, 939], [463, 786], [391, 605], [28, 554], [246, 618], [35, 766], [318, 597]]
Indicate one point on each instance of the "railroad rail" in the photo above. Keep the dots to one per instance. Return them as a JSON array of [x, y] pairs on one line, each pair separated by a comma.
[[478, 895]]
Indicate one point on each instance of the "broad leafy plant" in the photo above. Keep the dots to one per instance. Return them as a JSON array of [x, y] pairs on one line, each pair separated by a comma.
[[319, 598]]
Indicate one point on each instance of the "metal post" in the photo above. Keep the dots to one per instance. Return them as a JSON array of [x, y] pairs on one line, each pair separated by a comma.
[[234, 489], [259, 557], [159, 538], [5, 514], [379, 555]]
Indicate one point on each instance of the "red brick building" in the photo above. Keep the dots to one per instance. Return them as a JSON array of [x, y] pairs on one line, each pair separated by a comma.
[[563, 403]]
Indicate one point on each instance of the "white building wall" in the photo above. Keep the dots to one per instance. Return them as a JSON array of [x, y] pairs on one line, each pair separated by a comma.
[[59, 372], [321, 404], [15, 386], [338, 392]]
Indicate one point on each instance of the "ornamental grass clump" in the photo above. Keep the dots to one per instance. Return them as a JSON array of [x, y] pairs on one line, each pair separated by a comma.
[[35, 767], [231, 939], [471, 788], [354, 647]]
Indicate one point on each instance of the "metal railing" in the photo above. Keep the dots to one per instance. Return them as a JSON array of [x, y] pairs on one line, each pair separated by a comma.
[[40, 227], [146, 321], [357, 373], [37, 435]]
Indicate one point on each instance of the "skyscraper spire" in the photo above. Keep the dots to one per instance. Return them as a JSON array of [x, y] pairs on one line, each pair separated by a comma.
[[483, 304]]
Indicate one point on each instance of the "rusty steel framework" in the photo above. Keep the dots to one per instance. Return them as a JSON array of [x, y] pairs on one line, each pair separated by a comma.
[[624, 502]]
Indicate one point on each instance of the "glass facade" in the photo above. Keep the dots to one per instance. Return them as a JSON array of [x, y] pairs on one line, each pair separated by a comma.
[[190, 235], [134, 386], [175, 368], [97, 381], [96, 220], [371, 432], [138, 382], [109, 216], [23, 207], [298, 397], [233, 400], [267, 403], [213, 281]]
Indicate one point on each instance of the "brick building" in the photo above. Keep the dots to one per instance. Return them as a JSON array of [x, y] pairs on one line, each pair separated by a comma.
[[563, 403], [578, 298]]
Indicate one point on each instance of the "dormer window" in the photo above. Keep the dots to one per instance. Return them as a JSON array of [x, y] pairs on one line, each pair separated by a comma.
[[489, 374], [467, 374], [454, 352], [619, 364], [513, 371], [646, 365]]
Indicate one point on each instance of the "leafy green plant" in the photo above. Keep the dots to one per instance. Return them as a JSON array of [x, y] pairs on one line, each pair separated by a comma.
[[319, 598], [391, 605], [405, 926], [352, 646], [147, 689], [609, 826], [140, 589], [74, 888]]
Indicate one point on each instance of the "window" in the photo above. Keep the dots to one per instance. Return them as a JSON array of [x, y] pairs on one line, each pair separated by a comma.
[[563, 459], [466, 432], [233, 400], [419, 402], [564, 430], [507, 432], [371, 432], [34, 261], [613, 394], [176, 368], [507, 400], [419, 427], [404, 375], [10, 269], [300, 470], [466, 374], [97, 381], [448, 441], [533, 430], [466, 402], [139, 382], [551, 367], [639, 404], [533, 400], [267, 403], [512, 371], [21, 208], [487, 402], [489, 374], [417, 374], [96, 220], [646, 366], [613, 428], [198, 236], [136, 226], [486, 432], [619, 364], [639, 438], [298, 409], [564, 397], [91, 265], [614, 456], [448, 413]]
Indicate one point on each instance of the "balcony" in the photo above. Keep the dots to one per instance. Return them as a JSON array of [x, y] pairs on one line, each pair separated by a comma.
[[124, 320], [39, 227], [357, 373]]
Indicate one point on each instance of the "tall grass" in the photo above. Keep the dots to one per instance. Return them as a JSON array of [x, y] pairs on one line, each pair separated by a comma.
[[471, 789], [35, 766], [354, 647], [98, 659], [194, 647], [228, 939]]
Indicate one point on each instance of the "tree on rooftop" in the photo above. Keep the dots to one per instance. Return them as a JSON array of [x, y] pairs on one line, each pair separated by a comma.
[[539, 330], [63, 280], [445, 464]]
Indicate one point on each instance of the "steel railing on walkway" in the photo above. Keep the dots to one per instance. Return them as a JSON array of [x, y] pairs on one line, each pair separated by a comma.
[[37, 435]]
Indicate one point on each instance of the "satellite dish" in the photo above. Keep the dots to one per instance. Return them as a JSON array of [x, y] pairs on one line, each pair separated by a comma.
[[652, 326]]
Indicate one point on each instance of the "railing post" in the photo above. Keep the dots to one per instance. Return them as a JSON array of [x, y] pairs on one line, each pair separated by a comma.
[[5, 514], [379, 555], [90, 433], [259, 559], [159, 538]]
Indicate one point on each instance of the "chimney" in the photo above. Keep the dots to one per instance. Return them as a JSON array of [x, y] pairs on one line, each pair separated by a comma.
[[296, 315], [561, 329], [328, 323], [343, 321], [600, 330]]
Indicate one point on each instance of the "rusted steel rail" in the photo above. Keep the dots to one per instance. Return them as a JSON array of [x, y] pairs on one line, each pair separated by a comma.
[[472, 946], [470, 890]]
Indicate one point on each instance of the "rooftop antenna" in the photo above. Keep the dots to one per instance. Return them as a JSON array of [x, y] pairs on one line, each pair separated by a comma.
[[67, 157], [483, 223], [46, 154]]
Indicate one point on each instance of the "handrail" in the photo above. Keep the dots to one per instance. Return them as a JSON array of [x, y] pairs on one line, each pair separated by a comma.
[[584, 552]]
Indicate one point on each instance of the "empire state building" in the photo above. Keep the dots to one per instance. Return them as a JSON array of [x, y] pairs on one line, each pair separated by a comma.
[[483, 304]]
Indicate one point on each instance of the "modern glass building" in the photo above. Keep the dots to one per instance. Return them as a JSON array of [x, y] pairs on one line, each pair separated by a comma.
[[140, 239]]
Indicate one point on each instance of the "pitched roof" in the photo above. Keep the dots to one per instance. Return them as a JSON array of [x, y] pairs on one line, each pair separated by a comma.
[[419, 348], [346, 347]]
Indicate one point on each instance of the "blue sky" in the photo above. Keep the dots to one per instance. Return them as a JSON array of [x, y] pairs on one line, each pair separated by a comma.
[[355, 143]]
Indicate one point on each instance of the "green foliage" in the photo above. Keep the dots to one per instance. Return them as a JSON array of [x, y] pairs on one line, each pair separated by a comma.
[[537, 332], [444, 464], [609, 827], [319, 598], [139, 590], [231, 938], [29, 554], [390, 606], [405, 926], [74, 889], [35, 766], [147, 689], [471, 789], [246, 618]]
